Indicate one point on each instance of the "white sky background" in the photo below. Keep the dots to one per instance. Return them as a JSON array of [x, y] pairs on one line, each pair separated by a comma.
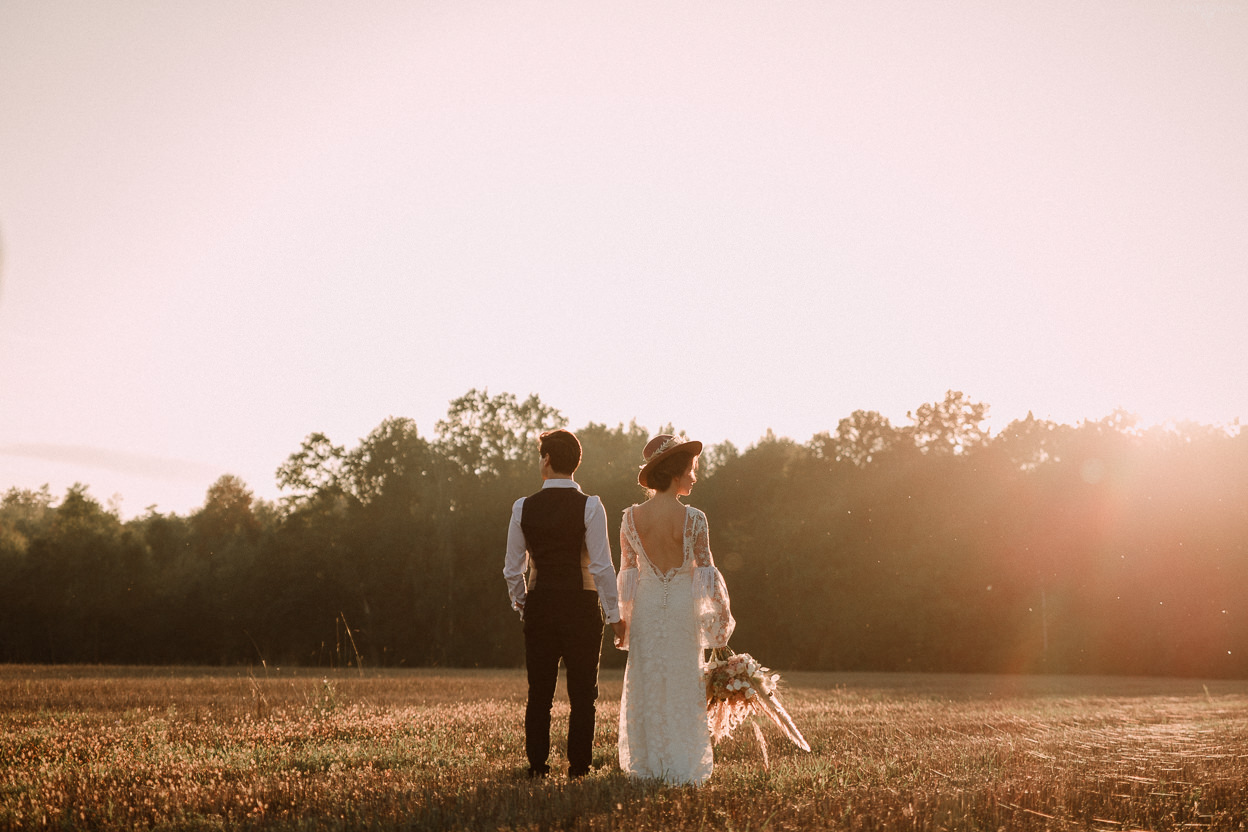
[[227, 225]]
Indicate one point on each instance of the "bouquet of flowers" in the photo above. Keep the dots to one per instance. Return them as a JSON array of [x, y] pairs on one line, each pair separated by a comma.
[[738, 688]]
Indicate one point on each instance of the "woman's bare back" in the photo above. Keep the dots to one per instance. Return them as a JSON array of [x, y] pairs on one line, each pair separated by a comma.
[[661, 526]]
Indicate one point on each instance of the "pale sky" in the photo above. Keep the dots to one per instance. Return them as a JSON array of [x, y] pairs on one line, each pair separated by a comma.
[[227, 225]]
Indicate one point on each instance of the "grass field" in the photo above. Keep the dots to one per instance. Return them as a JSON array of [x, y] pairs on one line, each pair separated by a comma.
[[179, 748]]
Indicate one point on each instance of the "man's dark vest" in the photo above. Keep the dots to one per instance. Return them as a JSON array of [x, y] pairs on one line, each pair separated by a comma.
[[553, 522]]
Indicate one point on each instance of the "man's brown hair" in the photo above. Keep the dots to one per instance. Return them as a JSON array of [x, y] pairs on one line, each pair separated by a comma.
[[563, 448]]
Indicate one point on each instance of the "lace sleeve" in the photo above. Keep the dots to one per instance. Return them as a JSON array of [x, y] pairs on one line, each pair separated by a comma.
[[710, 593], [627, 580]]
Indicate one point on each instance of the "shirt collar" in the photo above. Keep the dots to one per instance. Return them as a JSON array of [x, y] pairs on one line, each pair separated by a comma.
[[560, 483]]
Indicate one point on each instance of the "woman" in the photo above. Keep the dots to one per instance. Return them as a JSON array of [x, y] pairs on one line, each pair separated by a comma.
[[674, 602]]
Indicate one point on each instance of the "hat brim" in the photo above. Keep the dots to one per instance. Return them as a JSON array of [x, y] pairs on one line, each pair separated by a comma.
[[693, 447]]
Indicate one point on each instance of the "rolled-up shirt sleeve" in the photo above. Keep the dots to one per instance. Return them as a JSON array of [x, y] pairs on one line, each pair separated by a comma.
[[600, 566], [517, 559]]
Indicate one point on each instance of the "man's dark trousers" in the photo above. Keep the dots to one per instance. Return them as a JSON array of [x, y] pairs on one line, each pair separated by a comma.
[[563, 624]]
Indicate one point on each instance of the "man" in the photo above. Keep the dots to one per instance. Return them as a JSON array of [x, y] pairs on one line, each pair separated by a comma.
[[560, 535]]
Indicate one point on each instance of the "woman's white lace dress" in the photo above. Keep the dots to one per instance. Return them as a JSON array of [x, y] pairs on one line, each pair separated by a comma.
[[671, 617]]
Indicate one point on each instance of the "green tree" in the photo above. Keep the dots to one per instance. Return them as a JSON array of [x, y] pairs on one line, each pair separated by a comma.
[[491, 436], [84, 570], [397, 525], [226, 517], [860, 439], [311, 472], [949, 427]]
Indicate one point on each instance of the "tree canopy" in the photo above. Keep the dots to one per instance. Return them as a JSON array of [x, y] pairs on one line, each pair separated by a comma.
[[935, 545]]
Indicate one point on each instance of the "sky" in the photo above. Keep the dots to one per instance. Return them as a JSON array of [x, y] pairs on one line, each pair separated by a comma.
[[227, 225]]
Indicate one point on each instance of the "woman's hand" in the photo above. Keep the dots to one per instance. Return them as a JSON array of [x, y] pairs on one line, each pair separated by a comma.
[[621, 632]]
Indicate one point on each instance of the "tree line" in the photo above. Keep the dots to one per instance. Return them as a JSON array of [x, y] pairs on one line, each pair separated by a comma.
[[931, 546]]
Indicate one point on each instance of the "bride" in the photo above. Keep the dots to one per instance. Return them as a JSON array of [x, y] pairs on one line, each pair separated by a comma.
[[675, 604]]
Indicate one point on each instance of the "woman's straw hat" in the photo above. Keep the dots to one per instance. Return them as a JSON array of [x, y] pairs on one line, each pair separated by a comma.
[[660, 448]]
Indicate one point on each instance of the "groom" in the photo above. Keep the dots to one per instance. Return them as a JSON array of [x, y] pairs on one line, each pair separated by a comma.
[[560, 535]]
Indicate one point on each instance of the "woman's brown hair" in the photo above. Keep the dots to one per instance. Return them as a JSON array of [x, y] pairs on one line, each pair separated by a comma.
[[660, 477]]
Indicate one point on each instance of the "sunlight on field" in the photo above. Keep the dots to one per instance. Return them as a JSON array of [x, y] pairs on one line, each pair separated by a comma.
[[438, 749]]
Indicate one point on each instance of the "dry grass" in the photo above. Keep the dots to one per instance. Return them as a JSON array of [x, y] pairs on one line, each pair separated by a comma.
[[429, 749]]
